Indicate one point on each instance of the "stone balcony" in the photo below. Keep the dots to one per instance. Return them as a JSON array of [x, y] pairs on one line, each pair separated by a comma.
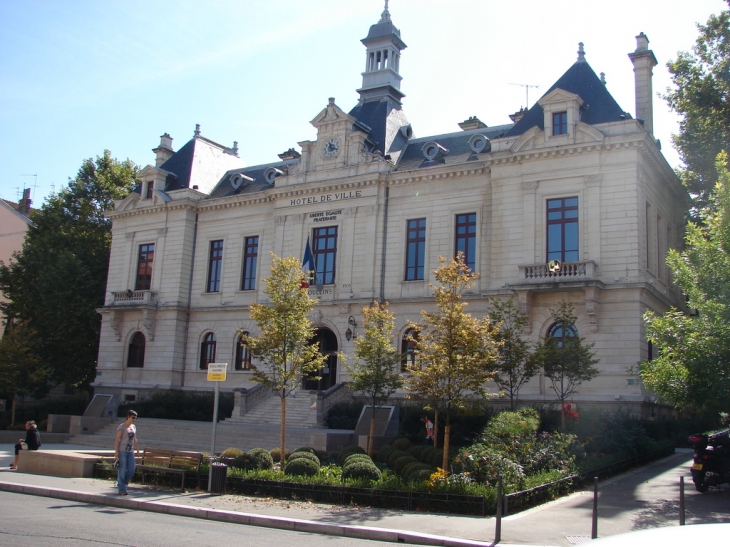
[[569, 271], [134, 298]]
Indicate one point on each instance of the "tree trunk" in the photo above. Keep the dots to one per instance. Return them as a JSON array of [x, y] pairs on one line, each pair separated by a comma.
[[12, 410], [282, 434], [447, 435], [372, 434], [435, 428]]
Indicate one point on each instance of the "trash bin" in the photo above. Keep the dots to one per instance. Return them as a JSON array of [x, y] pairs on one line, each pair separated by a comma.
[[218, 472]]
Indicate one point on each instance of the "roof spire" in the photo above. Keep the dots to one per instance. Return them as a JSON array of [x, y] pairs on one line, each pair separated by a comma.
[[581, 53], [385, 16]]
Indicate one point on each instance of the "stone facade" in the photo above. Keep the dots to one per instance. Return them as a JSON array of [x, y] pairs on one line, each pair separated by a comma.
[[363, 183], [14, 223]]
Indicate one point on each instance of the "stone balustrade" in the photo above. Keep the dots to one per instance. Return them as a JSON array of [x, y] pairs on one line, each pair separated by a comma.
[[569, 271], [132, 298]]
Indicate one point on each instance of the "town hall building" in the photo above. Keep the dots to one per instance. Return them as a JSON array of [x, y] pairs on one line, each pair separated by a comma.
[[570, 201]]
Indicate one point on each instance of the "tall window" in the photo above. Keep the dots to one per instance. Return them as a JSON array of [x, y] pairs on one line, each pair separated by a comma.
[[207, 351], [250, 256], [215, 262], [562, 229], [408, 349], [243, 356], [150, 187], [415, 248], [144, 267], [135, 357], [466, 238], [560, 123], [562, 333], [324, 252]]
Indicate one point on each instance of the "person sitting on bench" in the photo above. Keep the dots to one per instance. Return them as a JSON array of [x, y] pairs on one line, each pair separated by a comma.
[[32, 441]]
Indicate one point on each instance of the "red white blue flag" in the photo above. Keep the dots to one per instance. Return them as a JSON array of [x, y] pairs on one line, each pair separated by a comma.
[[307, 265]]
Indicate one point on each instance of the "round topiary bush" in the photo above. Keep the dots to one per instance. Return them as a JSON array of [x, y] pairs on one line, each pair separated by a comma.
[[244, 461], [436, 458], [394, 455], [361, 470], [383, 453], [429, 451], [402, 444], [420, 475], [408, 470], [275, 452], [303, 455], [231, 452], [302, 466], [352, 449], [401, 462], [417, 450], [356, 457], [305, 449], [262, 457]]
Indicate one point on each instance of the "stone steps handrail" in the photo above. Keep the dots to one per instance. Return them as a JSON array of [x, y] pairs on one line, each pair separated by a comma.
[[244, 400], [325, 400]]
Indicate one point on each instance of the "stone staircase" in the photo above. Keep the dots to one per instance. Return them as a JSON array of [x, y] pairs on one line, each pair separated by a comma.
[[299, 412]]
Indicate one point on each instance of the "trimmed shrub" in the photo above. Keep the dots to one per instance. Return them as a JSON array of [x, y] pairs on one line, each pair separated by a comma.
[[344, 415], [356, 457], [275, 452], [262, 457], [231, 453], [181, 405], [401, 462], [305, 449], [303, 455], [427, 453], [244, 461], [302, 466], [352, 449], [361, 470], [436, 458], [384, 453], [421, 475], [394, 456], [418, 449], [408, 470], [402, 444]]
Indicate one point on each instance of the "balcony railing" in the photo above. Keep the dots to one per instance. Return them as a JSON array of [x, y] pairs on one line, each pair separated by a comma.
[[132, 298], [569, 271]]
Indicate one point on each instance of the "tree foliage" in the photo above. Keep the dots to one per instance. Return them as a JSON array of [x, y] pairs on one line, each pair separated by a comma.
[[515, 360], [568, 361], [700, 95], [456, 352], [284, 346], [692, 369], [58, 279], [375, 371]]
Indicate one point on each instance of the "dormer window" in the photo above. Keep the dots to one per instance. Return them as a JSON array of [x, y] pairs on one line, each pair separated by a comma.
[[150, 187], [560, 123]]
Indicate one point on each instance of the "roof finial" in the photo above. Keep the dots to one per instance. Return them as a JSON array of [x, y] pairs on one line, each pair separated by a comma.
[[603, 78], [197, 130], [385, 16], [581, 53]]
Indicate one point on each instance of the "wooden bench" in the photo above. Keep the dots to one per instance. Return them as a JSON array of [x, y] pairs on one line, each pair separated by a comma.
[[172, 462]]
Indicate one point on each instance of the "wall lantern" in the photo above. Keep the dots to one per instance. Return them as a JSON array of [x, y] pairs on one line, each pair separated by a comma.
[[350, 332]]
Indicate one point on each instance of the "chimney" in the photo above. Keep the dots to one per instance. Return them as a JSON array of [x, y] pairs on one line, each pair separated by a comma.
[[644, 61], [472, 123], [163, 152], [517, 116], [25, 203]]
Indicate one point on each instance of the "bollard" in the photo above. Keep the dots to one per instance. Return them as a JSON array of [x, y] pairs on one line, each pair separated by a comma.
[[498, 517], [594, 527], [681, 501]]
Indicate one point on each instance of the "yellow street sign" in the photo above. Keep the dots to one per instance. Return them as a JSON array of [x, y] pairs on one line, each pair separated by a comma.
[[217, 372]]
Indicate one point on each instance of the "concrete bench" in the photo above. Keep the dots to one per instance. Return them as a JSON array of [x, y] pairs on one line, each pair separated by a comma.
[[59, 463]]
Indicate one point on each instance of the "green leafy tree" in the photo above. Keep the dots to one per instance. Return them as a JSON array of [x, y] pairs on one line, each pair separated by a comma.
[[567, 359], [58, 279], [375, 372], [284, 346], [692, 370], [515, 361], [700, 95], [456, 352]]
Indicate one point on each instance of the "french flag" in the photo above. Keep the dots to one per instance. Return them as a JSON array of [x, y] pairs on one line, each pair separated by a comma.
[[307, 266]]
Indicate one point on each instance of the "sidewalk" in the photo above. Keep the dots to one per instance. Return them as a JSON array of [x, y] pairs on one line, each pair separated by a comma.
[[638, 500]]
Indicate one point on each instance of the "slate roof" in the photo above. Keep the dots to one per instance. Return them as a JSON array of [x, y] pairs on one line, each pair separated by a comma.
[[382, 121], [598, 104], [256, 172], [456, 143]]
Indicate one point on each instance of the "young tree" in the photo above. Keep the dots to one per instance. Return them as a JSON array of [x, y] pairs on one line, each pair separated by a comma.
[[376, 372], [57, 281], [456, 352], [568, 361], [700, 96], [691, 370], [284, 345], [515, 361]]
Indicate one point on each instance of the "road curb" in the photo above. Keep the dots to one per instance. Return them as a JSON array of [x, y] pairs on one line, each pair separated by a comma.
[[297, 525]]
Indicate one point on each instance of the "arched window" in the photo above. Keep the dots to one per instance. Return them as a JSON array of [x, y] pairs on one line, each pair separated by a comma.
[[409, 349], [135, 357], [243, 356], [207, 351], [561, 333]]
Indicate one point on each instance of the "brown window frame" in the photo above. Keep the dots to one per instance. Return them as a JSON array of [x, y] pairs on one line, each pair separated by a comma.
[[243, 355], [207, 350], [465, 238], [145, 259], [136, 349], [562, 216], [416, 242], [409, 349], [250, 260], [560, 123], [324, 254], [215, 266]]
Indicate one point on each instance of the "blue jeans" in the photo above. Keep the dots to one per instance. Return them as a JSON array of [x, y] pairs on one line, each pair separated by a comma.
[[126, 471]]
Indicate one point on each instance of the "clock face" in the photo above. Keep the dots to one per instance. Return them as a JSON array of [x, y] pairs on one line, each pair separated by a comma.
[[331, 148]]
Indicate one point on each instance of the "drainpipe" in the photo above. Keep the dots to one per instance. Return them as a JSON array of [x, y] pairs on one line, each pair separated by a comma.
[[190, 296], [385, 238]]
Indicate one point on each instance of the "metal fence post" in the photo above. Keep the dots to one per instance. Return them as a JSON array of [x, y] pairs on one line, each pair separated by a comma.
[[594, 527], [498, 518], [681, 501]]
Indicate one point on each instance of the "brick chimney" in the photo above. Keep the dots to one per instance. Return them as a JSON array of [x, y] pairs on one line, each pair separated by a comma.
[[25, 203], [644, 61], [163, 152]]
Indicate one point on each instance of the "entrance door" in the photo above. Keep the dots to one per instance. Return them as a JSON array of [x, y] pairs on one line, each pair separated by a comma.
[[327, 346]]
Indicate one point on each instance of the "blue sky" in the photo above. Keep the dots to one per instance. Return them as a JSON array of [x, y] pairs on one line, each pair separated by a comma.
[[81, 76]]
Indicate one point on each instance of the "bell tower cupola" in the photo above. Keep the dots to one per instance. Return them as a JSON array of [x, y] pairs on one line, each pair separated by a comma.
[[381, 79]]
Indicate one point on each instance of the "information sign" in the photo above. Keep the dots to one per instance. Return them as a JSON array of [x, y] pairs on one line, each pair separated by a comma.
[[217, 372]]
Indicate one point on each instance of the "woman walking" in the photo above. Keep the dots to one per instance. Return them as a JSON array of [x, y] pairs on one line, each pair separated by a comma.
[[124, 450]]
